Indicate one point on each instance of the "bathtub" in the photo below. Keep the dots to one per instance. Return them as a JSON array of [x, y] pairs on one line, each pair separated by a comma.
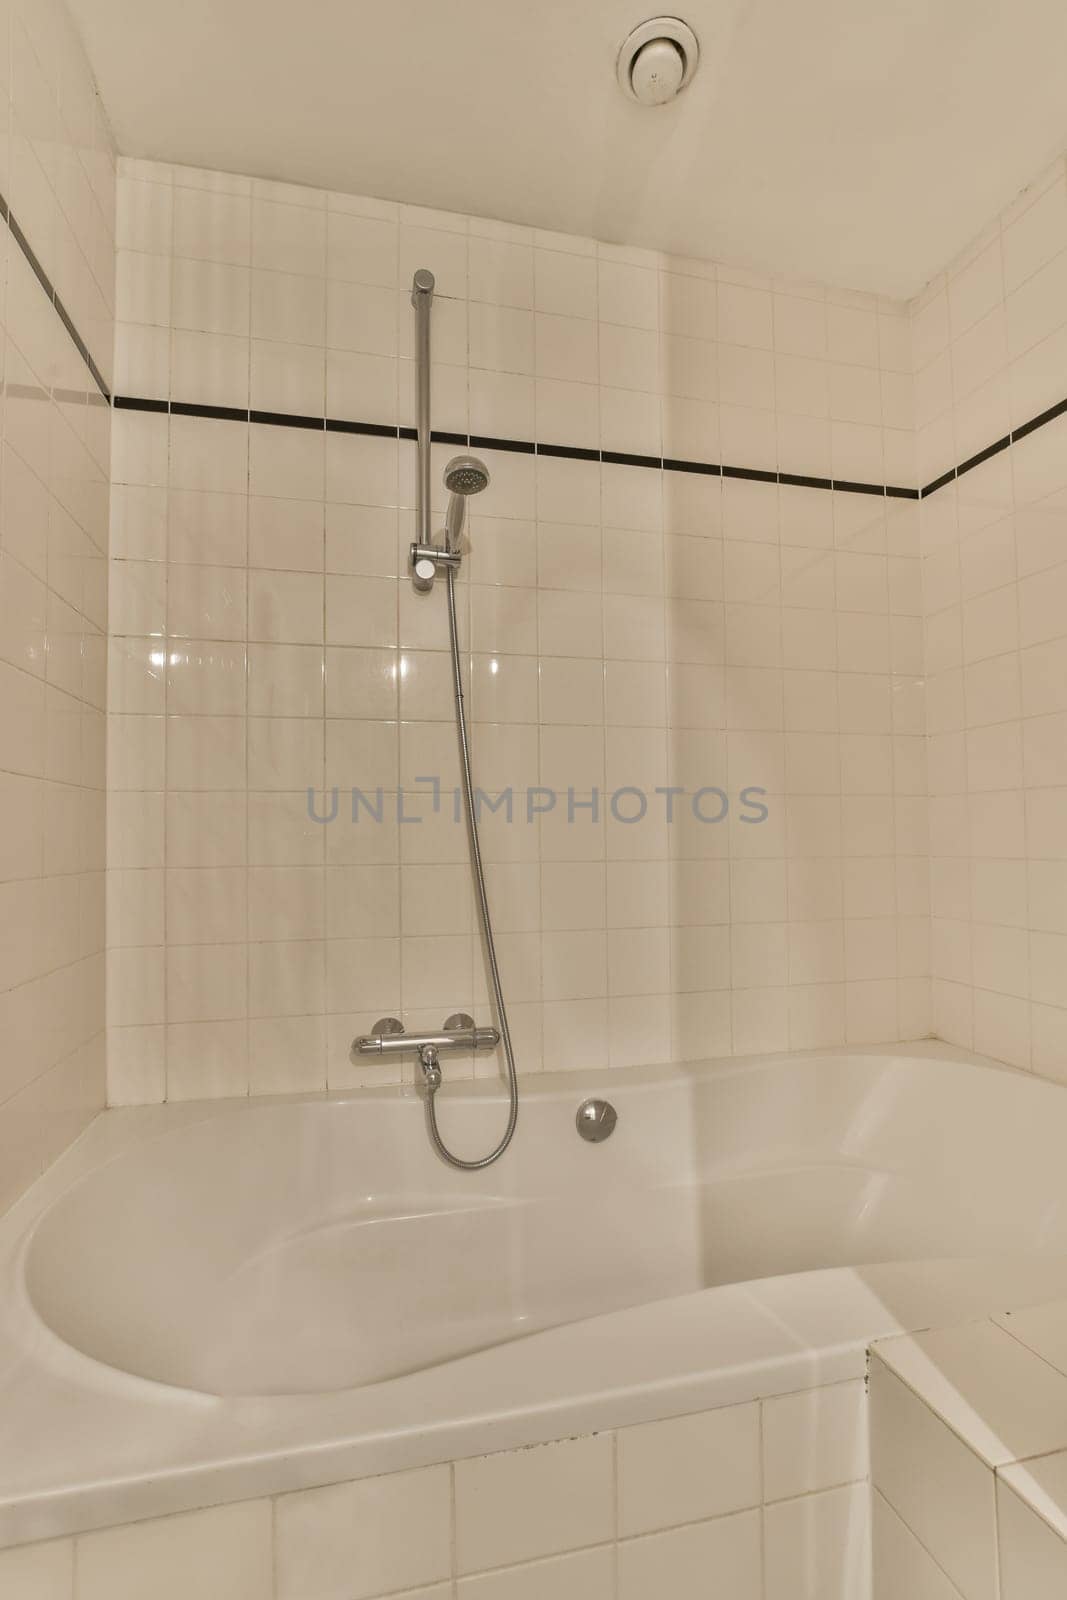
[[213, 1302]]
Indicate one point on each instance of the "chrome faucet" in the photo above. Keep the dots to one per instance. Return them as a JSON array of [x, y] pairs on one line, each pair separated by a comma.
[[430, 1062], [460, 1032]]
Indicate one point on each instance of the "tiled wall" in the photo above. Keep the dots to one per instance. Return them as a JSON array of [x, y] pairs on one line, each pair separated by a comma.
[[950, 1522], [625, 627], [57, 176], [991, 353], [773, 1505]]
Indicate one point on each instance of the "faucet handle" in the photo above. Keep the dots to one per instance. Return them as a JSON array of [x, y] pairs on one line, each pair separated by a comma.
[[373, 1043]]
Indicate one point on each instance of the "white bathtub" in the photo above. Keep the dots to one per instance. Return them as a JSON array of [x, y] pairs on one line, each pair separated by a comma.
[[227, 1300]]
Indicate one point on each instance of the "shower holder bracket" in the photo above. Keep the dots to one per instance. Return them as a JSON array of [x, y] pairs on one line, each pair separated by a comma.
[[435, 553], [426, 560]]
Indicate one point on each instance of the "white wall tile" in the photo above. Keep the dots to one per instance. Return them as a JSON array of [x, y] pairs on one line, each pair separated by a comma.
[[1033, 1557], [39, 1571], [815, 1439], [1007, 297], [934, 1483], [53, 600], [726, 1549], [228, 1548], [300, 303], [818, 1547], [687, 1468], [527, 1503], [587, 1575], [902, 1568], [352, 1540], [436, 1591]]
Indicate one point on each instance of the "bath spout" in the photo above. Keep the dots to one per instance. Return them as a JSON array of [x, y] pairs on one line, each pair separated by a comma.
[[430, 1063]]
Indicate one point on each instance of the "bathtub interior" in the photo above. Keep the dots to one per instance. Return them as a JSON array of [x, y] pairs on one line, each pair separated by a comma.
[[312, 1246]]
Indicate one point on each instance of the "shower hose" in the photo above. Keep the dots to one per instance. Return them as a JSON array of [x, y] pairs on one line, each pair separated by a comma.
[[486, 920]]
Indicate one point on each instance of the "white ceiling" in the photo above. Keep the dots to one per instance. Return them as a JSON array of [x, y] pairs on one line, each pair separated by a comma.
[[859, 142]]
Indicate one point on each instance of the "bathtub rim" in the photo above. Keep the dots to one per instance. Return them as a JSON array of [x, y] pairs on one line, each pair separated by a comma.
[[704, 1344]]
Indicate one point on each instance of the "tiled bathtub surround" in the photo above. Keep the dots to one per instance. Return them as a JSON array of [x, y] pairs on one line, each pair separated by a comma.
[[626, 627], [991, 351], [967, 1460], [771, 1499], [57, 176]]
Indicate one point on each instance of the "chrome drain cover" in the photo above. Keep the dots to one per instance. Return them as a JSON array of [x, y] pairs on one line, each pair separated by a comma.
[[595, 1120]]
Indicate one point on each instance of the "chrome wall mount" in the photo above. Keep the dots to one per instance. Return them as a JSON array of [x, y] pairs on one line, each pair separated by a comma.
[[464, 476], [425, 560], [595, 1120], [459, 1032], [388, 1037], [422, 287]]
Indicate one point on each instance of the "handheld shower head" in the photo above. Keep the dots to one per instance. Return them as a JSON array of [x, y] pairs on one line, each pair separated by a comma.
[[464, 475]]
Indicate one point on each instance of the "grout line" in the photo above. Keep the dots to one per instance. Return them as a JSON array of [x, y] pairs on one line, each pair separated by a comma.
[[881, 1495], [761, 1407], [50, 290], [453, 1531], [273, 1503], [608, 457], [1024, 428], [246, 873], [165, 824], [998, 1552], [928, 1405], [567, 452]]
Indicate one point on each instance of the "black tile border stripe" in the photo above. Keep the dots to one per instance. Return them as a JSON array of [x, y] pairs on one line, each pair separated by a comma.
[[983, 455], [1021, 432], [568, 452], [571, 452], [802, 481], [709, 469], [753, 474], [182, 408], [287, 419], [1050, 415], [565, 452], [938, 483], [620, 458], [857, 488], [50, 290], [125, 402], [526, 447], [479, 441]]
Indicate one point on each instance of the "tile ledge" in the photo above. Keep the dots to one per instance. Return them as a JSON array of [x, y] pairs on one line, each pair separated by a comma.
[[1041, 1485], [970, 1373]]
